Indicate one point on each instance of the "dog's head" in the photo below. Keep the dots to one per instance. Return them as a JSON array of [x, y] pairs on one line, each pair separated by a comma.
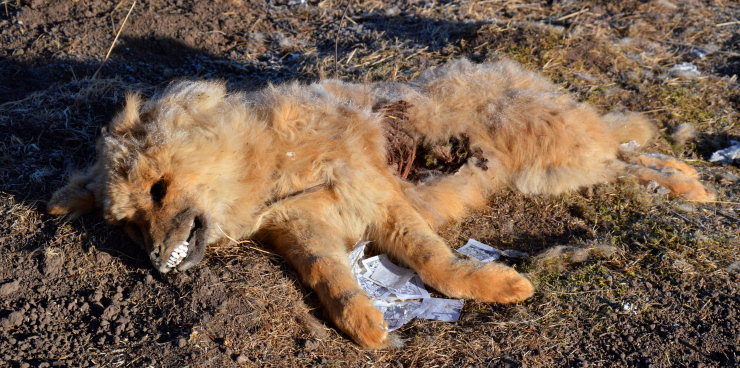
[[172, 172]]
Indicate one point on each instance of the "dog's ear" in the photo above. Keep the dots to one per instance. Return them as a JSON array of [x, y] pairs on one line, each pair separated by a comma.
[[128, 118], [78, 197]]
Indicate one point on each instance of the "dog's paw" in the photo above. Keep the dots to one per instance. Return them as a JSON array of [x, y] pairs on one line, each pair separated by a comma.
[[501, 284], [694, 191], [516, 289], [365, 324]]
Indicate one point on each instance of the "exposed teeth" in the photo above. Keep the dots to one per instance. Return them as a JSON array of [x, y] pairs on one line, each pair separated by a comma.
[[178, 255]]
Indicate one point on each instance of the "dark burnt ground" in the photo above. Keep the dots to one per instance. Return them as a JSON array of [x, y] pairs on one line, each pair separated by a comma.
[[625, 277]]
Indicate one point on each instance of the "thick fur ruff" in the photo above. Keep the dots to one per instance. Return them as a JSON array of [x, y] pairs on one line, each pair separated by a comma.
[[304, 168]]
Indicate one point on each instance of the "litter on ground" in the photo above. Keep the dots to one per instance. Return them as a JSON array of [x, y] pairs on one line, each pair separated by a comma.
[[399, 292], [727, 156]]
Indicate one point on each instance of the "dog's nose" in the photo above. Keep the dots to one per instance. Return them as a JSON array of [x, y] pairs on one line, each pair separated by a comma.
[[156, 250]]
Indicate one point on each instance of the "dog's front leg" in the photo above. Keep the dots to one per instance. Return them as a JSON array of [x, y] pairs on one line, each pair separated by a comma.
[[321, 259], [406, 236]]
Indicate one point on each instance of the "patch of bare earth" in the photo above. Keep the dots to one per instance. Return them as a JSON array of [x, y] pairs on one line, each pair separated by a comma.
[[625, 276]]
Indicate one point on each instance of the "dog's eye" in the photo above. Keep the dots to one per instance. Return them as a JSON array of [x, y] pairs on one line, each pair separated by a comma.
[[158, 191]]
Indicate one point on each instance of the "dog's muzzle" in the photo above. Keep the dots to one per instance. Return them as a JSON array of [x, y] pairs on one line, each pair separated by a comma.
[[187, 254]]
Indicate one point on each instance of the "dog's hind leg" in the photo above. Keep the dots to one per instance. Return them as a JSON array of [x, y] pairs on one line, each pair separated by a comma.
[[671, 176], [678, 177], [407, 237], [662, 162]]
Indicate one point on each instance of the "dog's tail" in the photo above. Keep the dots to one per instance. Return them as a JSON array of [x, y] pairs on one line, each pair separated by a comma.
[[629, 127]]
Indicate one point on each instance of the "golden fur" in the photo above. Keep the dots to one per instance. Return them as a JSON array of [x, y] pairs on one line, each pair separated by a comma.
[[304, 168]]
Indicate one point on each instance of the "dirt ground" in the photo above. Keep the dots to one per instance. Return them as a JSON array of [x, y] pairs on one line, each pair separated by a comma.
[[625, 276]]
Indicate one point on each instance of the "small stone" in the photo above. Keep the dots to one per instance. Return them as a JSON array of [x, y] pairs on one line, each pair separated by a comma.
[[181, 342], [241, 359]]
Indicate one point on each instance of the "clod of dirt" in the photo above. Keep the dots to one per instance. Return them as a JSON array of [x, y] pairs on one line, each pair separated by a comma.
[[97, 295], [10, 287], [52, 264], [14, 319], [111, 312]]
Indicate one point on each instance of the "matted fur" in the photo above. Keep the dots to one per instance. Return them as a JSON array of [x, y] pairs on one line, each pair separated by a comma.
[[304, 168]]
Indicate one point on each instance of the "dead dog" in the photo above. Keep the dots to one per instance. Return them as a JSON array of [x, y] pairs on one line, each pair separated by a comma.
[[307, 169]]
